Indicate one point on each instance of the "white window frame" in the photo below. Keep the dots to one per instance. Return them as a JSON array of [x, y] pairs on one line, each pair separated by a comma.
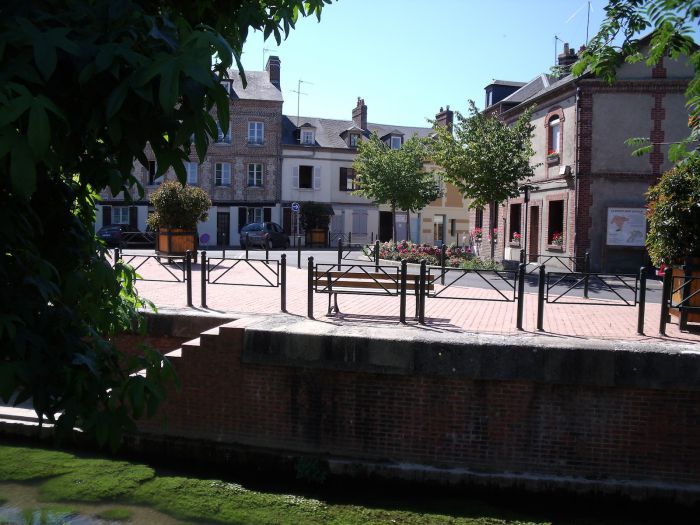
[[120, 215], [256, 133], [221, 138], [255, 215], [191, 168], [255, 175], [307, 137], [222, 174], [395, 142], [554, 137]]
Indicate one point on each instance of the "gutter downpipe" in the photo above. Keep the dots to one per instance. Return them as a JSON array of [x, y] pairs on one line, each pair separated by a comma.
[[576, 171]]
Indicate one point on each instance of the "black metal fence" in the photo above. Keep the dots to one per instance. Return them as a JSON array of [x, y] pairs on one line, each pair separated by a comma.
[[571, 264], [146, 265], [681, 292]]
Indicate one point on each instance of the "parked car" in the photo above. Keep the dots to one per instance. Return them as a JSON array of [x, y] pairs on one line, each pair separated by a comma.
[[264, 235], [126, 236]]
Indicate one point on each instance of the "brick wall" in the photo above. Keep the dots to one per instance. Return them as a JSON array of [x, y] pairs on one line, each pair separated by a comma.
[[554, 412]]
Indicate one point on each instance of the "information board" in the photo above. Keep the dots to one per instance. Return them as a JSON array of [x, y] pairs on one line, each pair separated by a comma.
[[626, 227]]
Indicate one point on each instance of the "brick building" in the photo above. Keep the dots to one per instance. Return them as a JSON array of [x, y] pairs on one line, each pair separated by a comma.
[[241, 172], [588, 189]]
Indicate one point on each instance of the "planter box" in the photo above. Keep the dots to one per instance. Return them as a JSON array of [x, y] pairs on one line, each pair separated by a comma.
[[694, 263], [175, 242], [316, 237]]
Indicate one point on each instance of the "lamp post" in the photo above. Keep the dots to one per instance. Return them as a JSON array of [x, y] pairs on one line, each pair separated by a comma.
[[526, 189]]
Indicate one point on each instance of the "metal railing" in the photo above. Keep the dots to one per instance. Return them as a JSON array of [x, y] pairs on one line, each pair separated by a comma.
[[145, 264], [572, 264], [681, 292], [507, 278]]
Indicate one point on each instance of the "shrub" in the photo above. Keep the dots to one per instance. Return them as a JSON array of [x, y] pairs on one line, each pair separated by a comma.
[[178, 207], [455, 256], [674, 214]]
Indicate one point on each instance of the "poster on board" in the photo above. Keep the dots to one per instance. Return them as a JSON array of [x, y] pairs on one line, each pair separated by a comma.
[[626, 227]]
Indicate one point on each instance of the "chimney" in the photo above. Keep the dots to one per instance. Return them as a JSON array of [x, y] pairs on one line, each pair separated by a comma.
[[359, 114], [273, 68], [445, 118], [566, 59]]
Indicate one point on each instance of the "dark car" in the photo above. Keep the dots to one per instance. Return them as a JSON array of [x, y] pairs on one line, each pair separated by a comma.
[[264, 235], [124, 236]]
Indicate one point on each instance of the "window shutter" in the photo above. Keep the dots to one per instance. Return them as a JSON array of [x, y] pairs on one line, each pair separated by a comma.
[[133, 217], [317, 178], [242, 212], [227, 173], [106, 215], [267, 214], [295, 177], [343, 179]]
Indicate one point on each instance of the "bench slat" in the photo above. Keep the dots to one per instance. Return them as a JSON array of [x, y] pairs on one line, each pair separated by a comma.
[[389, 285], [358, 275]]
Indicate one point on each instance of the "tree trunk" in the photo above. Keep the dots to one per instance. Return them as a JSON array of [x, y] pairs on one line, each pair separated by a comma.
[[408, 225], [393, 216], [493, 219]]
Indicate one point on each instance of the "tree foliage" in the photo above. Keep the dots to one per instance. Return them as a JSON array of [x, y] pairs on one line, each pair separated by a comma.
[[396, 177], [671, 24], [483, 157], [177, 206], [674, 214], [85, 85]]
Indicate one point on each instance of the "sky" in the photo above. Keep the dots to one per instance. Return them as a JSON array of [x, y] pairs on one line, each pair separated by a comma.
[[407, 58]]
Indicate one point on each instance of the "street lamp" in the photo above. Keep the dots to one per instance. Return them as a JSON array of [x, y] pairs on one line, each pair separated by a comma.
[[526, 189]]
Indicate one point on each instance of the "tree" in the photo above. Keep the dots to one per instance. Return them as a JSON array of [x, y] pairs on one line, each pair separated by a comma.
[[672, 24], [396, 177], [85, 86], [485, 158]]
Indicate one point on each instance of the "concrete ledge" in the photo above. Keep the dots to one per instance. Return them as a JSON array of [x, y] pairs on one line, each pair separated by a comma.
[[296, 341]]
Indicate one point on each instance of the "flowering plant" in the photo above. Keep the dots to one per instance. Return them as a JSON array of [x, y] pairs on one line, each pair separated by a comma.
[[557, 238], [516, 238], [477, 234], [494, 235]]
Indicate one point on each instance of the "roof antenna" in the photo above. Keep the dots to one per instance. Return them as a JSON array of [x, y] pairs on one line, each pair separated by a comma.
[[588, 20], [299, 93], [265, 50], [555, 48]]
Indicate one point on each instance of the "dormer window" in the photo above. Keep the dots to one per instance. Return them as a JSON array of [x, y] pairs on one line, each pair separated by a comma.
[[395, 142], [354, 139], [307, 137]]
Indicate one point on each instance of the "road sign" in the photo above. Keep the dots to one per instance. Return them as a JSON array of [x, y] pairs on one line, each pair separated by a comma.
[[295, 207]]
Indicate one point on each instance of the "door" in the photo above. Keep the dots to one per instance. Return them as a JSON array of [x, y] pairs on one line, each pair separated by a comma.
[[533, 241], [386, 226], [223, 228], [337, 227]]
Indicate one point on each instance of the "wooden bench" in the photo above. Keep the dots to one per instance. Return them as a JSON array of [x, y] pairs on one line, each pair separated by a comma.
[[356, 280]]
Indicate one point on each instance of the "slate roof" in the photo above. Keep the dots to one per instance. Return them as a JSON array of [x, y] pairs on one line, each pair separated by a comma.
[[537, 87], [329, 131], [259, 87], [512, 83]]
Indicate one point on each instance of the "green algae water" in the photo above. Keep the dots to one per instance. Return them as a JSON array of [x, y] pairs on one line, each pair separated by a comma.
[[20, 505]]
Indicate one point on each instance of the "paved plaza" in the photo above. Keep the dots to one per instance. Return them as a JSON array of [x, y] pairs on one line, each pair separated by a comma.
[[469, 309]]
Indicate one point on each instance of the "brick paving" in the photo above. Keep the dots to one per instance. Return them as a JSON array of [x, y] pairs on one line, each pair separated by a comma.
[[579, 319]]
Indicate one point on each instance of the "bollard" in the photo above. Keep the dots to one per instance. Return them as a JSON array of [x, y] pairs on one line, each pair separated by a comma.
[[416, 288], [442, 263], [283, 283], [376, 256], [521, 296], [540, 300], [349, 238], [665, 298], [267, 251], [188, 276], [522, 256], [116, 255], [402, 307], [421, 293], [340, 253], [298, 254], [310, 296], [642, 299], [247, 245], [203, 272], [586, 271], [685, 296]]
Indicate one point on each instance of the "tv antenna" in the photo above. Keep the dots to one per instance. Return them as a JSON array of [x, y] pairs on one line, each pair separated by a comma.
[[556, 38], [299, 93], [265, 50]]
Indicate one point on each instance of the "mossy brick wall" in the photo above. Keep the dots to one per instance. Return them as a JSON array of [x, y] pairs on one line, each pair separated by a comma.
[[523, 418]]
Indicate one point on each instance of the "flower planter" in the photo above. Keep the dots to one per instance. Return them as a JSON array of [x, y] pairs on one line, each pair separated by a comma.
[[175, 241], [694, 263], [316, 237]]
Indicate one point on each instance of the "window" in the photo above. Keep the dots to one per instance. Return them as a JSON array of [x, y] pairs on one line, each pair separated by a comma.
[[515, 210], [120, 215], [395, 142], [255, 215], [347, 179], [152, 170], [479, 218], [256, 131], [255, 175], [221, 138], [191, 168], [306, 177], [555, 223], [307, 137], [554, 140], [354, 139], [222, 172]]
